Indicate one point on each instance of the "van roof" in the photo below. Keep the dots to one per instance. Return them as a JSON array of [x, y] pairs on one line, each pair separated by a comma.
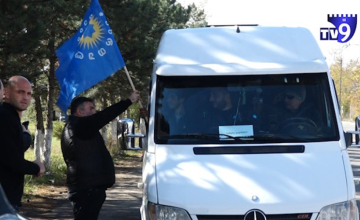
[[222, 50]]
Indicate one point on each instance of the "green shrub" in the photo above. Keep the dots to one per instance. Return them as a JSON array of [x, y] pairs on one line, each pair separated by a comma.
[[57, 129]]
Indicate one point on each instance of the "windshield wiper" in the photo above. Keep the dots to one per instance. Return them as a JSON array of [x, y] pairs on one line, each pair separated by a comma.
[[201, 136], [194, 136], [262, 137]]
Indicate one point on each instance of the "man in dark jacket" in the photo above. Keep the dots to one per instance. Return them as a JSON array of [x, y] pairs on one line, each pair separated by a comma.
[[90, 169], [299, 117], [296, 108], [26, 132], [223, 111], [13, 166]]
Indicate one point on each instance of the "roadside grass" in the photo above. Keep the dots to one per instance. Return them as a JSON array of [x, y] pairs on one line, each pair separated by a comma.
[[56, 176], [127, 154]]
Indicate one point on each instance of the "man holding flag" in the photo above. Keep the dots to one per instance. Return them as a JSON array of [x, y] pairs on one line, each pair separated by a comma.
[[90, 167], [87, 58]]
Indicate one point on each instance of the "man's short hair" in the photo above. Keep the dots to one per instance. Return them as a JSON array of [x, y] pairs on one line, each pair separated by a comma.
[[77, 102]]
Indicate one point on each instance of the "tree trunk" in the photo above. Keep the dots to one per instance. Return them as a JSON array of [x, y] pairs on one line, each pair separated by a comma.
[[113, 142], [38, 143], [127, 113], [50, 106], [46, 150], [39, 133]]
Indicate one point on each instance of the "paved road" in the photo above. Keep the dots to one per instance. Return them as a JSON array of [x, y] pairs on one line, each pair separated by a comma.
[[123, 199], [354, 154]]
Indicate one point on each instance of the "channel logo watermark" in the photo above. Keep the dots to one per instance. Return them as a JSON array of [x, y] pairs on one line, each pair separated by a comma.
[[344, 30]]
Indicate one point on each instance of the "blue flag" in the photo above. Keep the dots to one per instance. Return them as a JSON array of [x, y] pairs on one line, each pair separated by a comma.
[[88, 57]]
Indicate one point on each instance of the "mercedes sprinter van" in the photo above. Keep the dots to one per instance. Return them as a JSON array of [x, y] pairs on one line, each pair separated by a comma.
[[244, 124]]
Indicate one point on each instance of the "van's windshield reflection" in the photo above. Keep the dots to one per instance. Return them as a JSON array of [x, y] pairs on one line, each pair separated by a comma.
[[244, 109]]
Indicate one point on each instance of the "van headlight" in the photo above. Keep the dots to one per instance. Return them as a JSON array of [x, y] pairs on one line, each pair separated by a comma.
[[161, 212], [340, 211]]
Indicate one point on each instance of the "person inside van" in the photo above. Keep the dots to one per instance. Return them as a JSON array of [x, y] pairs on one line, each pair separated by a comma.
[[297, 110], [223, 111], [176, 118]]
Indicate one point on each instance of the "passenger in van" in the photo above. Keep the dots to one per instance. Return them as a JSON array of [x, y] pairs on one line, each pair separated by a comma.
[[223, 111], [175, 102], [296, 108], [179, 120]]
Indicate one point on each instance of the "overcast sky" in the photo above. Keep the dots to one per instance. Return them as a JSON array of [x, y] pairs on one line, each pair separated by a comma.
[[311, 14]]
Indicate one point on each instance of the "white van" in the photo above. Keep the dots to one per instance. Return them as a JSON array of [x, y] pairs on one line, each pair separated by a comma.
[[225, 139]]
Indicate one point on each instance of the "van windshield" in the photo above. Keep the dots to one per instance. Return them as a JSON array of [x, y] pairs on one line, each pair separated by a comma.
[[244, 109]]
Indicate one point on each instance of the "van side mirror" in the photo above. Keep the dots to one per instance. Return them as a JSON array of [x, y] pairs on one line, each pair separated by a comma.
[[349, 139], [127, 136]]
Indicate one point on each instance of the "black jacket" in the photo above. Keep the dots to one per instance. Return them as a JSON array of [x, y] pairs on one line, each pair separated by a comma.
[[89, 164], [13, 166], [307, 111]]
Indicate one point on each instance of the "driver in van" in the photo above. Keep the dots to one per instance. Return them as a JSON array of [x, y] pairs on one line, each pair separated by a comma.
[[296, 108]]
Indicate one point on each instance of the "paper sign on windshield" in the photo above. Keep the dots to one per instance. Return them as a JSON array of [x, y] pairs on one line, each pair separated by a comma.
[[236, 131]]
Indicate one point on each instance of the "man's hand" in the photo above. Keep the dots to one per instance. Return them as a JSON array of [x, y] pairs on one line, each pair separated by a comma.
[[143, 113], [134, 97], [42, 168], [25, 129]]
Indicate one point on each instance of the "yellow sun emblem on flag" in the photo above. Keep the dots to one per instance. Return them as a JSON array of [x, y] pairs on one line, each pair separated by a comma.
[[93, 33]]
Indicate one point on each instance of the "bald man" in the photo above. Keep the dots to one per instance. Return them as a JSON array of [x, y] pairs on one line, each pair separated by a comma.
[[13, 165]]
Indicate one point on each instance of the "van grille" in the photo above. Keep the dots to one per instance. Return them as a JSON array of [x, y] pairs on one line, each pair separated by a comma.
[[300, 216]]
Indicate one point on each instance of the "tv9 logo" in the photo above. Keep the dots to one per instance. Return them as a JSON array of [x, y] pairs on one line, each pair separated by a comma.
[[345, 26]]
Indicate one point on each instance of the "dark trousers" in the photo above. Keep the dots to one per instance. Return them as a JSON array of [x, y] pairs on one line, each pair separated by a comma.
[[87, 204]]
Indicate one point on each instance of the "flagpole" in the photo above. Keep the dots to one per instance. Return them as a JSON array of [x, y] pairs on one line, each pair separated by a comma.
[[131, 83], [133, 87]]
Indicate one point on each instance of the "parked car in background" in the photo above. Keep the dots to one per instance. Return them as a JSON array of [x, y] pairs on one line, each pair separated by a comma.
[[62, 118]]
